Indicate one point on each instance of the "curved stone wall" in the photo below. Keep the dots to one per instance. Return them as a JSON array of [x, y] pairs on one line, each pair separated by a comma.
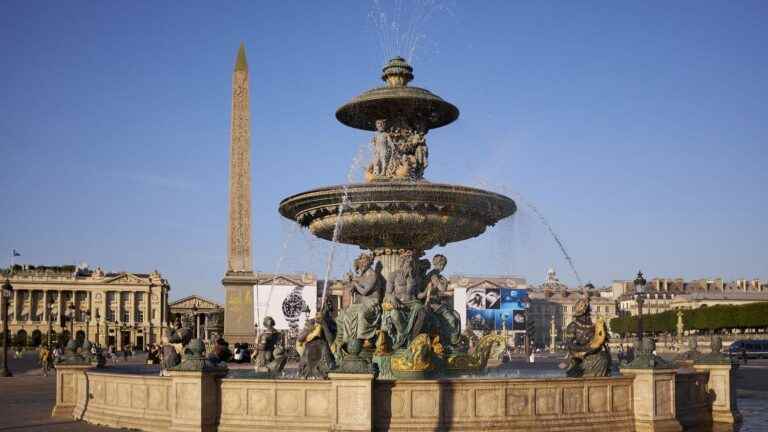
[[639, 400], [124, 401], [256, 405], [590, 404]]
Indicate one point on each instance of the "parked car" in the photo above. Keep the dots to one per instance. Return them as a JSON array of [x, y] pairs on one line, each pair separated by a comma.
[[753, 349]]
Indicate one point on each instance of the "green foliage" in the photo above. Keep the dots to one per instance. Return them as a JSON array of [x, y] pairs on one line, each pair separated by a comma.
[[709, 319]]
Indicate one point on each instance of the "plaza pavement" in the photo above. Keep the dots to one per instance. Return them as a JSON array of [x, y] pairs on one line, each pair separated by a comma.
[[27, 398]]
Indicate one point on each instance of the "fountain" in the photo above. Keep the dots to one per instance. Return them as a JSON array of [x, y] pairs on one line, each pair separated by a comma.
[[395, 358], [397, 215]]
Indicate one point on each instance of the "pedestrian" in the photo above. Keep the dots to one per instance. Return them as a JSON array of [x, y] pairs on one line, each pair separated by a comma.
[[125, 354], [744, 355], [56, 353], [45, 360]]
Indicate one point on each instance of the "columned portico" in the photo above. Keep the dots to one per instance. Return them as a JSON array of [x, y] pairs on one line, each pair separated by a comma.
[[105, 304]]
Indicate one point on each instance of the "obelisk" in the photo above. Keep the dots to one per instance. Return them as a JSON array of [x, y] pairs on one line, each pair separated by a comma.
[[239, 279]]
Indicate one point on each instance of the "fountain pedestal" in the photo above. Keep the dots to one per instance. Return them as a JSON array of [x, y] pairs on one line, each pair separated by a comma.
[[654, 399], [352, 401], [69, 387], [720, 387], [194, 400]]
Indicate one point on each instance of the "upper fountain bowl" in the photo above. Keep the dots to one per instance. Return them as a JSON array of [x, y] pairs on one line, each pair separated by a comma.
[[397, 101], [398, 214]]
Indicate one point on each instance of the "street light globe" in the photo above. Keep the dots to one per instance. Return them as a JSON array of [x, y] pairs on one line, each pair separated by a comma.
[[640, 283]]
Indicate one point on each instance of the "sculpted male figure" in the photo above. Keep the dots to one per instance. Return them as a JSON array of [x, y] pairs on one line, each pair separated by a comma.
[[405, 316], [382, 149]]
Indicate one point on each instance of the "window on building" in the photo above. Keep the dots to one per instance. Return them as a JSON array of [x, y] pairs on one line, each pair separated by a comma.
[[139, 315], [126, 316]]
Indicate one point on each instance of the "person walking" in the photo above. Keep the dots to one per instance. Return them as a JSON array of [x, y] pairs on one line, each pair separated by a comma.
[[45, 360]]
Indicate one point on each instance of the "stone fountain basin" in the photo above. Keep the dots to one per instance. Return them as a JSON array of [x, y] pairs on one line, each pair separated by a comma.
[[398, 214]]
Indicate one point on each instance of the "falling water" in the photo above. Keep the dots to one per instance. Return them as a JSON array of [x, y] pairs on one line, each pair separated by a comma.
[[505, 190], [400, 24], [546, 223], [294, 228], [337, 228]]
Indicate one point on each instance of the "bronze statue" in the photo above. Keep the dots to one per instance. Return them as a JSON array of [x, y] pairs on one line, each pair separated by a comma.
[[266, 343], [587, 344], [404, 315], [448, 320], [314, 343], [382, 150], [363, 316]]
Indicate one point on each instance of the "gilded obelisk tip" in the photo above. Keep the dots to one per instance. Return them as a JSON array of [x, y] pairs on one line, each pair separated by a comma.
[[241, 64]]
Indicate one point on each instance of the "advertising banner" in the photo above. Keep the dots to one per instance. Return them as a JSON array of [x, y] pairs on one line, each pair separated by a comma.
[[496, 308]]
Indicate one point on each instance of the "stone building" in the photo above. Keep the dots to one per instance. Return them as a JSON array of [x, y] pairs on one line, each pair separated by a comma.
[[206, 316], [108, 308], [554, 302], [665, 293]]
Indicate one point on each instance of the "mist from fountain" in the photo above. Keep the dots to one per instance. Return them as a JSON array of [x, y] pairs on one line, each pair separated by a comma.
[[355, 165], [541, 218], [399, 24]]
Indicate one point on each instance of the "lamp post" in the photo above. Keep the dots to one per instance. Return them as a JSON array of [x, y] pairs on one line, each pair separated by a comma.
[[50, 324], [98, 324], [197, 323], [87, 316], [640, 298], [71, 317], [6, 295]]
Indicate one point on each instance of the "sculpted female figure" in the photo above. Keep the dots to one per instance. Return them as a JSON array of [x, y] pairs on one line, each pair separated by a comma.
[[265, 344], [435, 294], [362, 317], [587, 344]]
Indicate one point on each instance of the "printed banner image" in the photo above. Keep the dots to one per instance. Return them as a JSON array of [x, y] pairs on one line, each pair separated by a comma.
[[480, 319], [476, 298], [496, 308]]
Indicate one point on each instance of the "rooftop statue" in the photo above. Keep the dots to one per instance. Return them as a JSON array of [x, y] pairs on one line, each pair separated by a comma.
[[587, 344]]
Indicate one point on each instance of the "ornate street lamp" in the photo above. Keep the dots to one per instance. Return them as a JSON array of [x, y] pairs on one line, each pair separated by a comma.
[[50, 322], [71, 317], [640, 294], [197, 323], [87, 316], [6, 295], [98, 324]]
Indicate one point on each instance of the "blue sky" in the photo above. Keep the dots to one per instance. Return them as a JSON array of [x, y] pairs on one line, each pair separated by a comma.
[[637, 129]]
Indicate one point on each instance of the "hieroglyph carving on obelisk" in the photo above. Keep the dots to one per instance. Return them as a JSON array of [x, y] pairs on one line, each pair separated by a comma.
[[239, 252]]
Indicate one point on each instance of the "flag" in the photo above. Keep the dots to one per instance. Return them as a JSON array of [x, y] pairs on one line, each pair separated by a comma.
[[16, 253]]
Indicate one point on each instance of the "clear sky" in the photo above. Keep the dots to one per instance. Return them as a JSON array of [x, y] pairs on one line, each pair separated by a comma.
[[638, 129]]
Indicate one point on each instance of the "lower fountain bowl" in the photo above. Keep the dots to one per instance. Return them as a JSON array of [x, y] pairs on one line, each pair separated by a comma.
[[398, 214]]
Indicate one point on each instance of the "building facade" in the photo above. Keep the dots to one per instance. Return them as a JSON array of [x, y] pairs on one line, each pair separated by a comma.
[[663, 294], [553, 304], [117, 309], [205, 316]]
